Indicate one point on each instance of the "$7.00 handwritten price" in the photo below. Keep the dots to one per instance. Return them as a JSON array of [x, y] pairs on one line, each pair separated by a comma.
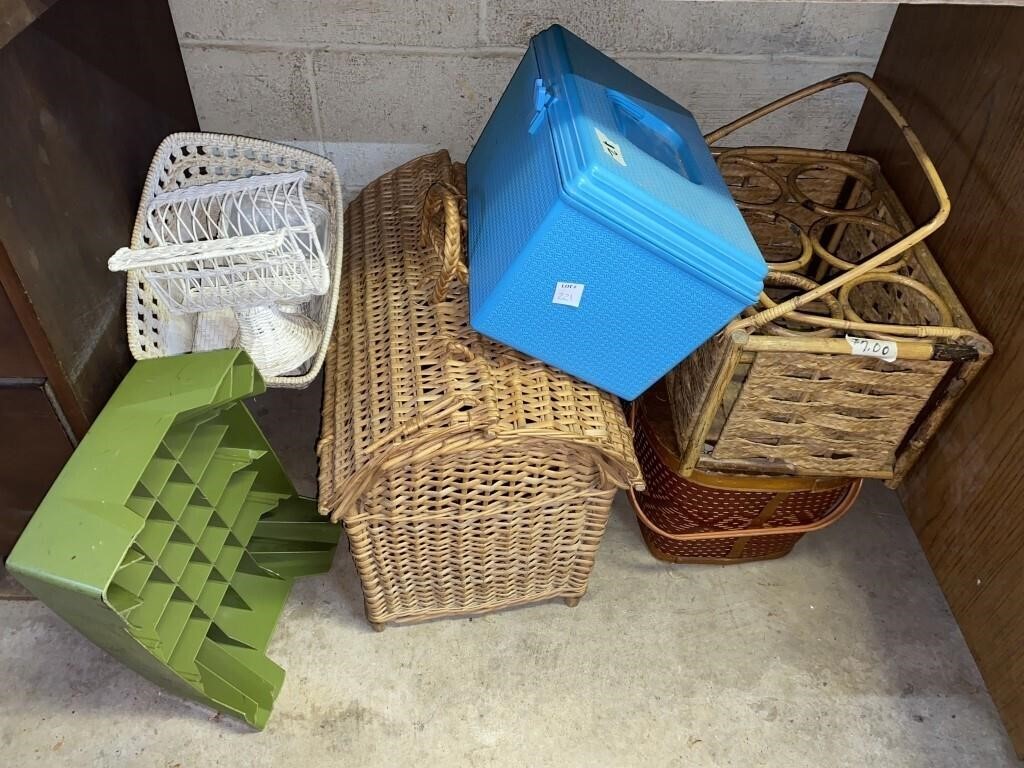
[[885, 350]]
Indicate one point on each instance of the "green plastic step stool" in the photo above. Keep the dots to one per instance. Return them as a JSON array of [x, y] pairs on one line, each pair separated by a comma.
[[172, 536]]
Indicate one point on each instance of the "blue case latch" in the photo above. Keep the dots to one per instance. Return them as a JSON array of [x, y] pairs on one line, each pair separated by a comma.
[[542, 98]]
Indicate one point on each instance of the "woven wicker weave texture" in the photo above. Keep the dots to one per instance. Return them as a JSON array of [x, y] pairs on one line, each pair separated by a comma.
[[818, 414], [468, 477], [785, 394]]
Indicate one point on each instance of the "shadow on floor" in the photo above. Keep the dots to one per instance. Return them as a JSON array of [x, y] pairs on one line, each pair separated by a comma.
[[290, 418]]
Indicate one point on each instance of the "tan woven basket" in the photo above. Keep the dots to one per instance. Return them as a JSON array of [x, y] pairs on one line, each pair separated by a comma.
[[469, 478], [781, 390]]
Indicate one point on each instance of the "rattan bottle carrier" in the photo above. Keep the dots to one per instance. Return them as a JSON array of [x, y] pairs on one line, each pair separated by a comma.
[[854, 374], [468, 477], [712, 517]]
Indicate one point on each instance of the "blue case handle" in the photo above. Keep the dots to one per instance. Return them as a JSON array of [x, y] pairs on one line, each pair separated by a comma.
[[653, 136]]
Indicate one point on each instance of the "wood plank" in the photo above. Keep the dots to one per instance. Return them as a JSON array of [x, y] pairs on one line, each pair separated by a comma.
[[15, 15], [57, 380], [956, 73], [96, 86], [32, 453], [17, 358]]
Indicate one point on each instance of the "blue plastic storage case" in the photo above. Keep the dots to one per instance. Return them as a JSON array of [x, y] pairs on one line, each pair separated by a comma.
[[602, 238]]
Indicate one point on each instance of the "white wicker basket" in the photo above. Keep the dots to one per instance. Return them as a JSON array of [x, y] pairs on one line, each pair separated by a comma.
[[186, 160]]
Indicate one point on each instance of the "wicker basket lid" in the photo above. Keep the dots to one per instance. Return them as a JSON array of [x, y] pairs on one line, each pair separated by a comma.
[[408, 380]]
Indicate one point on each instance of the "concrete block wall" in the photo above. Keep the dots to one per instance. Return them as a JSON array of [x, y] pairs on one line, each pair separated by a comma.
[[371, 83]]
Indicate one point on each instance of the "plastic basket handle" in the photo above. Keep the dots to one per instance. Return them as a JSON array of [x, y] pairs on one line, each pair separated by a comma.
[[840, 509], [780, 530], [890, 251], [446, 240]]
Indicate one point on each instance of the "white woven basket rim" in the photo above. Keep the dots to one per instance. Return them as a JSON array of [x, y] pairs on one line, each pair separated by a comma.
[[217, 187]]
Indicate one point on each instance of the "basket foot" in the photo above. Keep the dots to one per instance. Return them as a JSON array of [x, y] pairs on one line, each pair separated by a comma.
[[377, 626], [572, 602]]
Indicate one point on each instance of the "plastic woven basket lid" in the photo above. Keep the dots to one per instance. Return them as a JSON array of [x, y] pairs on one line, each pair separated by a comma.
[[631, 156]]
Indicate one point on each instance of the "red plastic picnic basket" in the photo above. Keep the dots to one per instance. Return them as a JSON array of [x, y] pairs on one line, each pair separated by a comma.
[[713, 517]]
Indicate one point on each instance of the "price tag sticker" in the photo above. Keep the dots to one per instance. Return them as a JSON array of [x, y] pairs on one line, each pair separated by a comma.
[[568, 294], [613, 150], [886, 350]]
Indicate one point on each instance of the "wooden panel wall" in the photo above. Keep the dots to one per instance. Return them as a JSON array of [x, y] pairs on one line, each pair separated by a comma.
[[88, 88], [958, 74], [33, 450], [87, 91], [15, 15]]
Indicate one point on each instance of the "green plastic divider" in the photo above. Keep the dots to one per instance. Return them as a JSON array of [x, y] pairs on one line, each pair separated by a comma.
[[257, 504], [253, 625], [179, 436], [200, 449], [219, 471], [173, 535], [234, 496], [194, 520], [212, 541], [175, 497], [194, 579], [183, 657], [154, 537], [156, 475], [176, 557], [171, 625], [153, 602], [212, 596], [227, 563], [121, 600], [141, 505], [133, 577]]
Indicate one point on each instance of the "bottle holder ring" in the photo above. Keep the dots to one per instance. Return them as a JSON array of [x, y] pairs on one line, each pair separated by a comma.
[[775, 232], [835, 174], [848, 221], [944, 317], [790, 280], [760, 187]]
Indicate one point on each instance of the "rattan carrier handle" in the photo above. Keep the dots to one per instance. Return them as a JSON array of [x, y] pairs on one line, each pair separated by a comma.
[[446, 240], [909, 349], [890, 251]]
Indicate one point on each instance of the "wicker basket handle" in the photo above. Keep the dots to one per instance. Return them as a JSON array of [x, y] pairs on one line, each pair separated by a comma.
[[894, 248], [442, 198]]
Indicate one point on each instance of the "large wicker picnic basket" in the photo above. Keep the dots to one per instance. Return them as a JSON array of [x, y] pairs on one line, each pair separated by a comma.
[[859, 346], [468, 477]]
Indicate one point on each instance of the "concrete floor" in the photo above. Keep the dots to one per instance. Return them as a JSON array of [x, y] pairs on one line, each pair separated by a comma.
[[843, 653]]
